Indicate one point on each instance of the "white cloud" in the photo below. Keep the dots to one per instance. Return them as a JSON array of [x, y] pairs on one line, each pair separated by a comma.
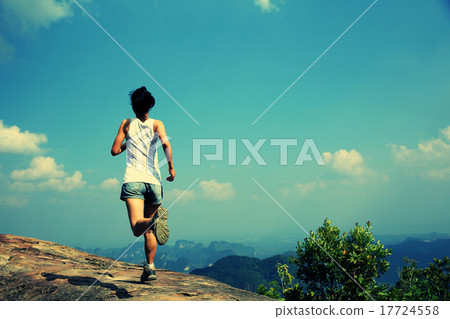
[[29, 15], [57, 184], [266, 5], [216, 191], [300, 189], [40, 168], [12, 140], [174, 195], [64, 185], [348, 163], [435, 149], [445, 133], [351, 165], [431, 158], [303, 189], [45, 174], [110, 184]]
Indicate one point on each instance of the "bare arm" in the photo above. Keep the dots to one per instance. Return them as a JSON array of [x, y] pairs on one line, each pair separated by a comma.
[[161, 130], [117, 146]]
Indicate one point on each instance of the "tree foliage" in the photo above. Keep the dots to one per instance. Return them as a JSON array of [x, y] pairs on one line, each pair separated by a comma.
[[430, 283], [271, 292], [345, 266], [341, 266]]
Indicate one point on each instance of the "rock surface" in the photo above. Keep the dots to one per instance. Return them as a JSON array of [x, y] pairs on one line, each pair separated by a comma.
[[32, 269]]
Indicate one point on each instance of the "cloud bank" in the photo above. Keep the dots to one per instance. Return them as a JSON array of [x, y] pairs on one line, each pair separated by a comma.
[[110, 184], [13, 140], [430, 159], [31, 15], [45, 174], [302, 189], [174, 195], [216, 191], [345, 162], [40, 168]]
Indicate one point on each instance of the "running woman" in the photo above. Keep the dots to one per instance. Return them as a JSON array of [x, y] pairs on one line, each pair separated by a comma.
[[142, 189]]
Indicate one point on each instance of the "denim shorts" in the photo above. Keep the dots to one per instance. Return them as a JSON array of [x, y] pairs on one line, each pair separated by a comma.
[[150, 193]]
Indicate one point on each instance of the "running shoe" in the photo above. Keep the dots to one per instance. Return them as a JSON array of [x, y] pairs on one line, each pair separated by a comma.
[[148, 274]]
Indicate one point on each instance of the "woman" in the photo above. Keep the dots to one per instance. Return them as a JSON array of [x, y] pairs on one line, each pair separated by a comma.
[[142, 190]]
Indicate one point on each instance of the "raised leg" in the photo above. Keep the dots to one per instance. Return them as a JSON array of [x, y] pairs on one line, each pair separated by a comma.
[[139, 224]]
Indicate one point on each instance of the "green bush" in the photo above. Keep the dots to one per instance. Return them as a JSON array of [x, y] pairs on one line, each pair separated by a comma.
[[431, 283], [345, 266], [271, 292], [341, 266]]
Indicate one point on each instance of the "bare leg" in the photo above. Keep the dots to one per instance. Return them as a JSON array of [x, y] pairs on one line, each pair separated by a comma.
[[150, 246], [150, 239], [138, 223]]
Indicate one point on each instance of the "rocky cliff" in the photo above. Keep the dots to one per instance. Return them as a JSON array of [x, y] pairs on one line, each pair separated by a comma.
[[32, 269]]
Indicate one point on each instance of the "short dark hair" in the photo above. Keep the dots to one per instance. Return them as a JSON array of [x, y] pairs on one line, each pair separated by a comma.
[[141, 100]]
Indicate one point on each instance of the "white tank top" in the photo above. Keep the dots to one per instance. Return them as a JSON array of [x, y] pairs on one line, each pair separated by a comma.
[[142, 156]]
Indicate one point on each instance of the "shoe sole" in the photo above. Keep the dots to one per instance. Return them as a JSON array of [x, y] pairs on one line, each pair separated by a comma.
[[161, 229], [151, 278]]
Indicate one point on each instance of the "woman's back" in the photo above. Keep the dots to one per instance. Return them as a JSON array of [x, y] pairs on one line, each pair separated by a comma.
[[142, 155]]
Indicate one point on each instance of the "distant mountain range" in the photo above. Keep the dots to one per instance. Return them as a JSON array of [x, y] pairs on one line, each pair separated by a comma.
[[393, 239], [269, 246], [237, 265], [423, 251], [184, 256], [249, 273]]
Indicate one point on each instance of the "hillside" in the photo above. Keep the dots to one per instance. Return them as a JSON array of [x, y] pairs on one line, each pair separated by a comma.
[[33, 269], [245, 272], [248, 273]]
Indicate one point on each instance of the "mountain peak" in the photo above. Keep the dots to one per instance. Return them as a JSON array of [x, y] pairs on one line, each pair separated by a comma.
[[32, 269]]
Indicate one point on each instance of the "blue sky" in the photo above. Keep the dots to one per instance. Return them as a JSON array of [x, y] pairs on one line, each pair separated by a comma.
[[376, 105]]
